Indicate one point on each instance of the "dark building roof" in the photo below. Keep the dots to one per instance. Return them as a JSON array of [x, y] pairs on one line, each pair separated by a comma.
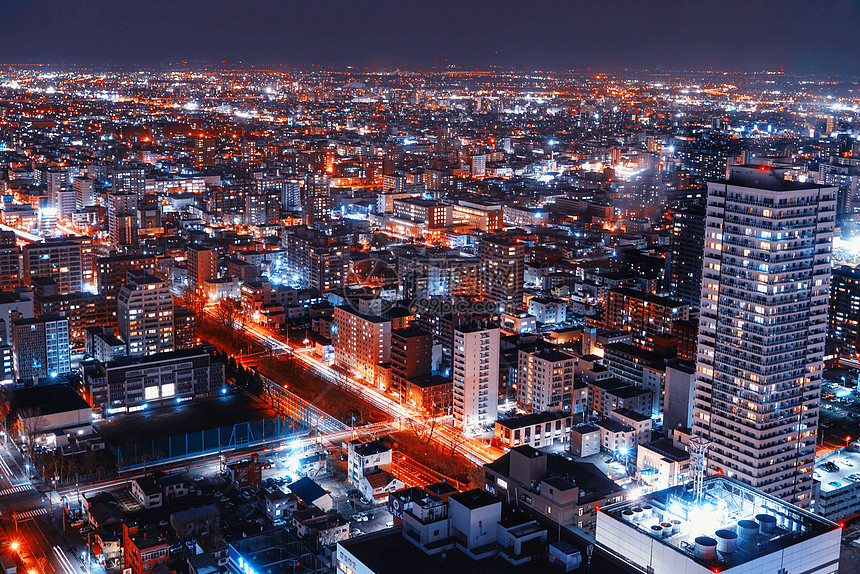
[[47, 399], [532, 419], [372, 447], [667, 449], [475, 498], [307, 490], [633, 415]]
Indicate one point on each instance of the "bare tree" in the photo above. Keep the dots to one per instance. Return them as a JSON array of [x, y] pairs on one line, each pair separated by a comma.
[[228, 312], [33, 425], [423, 427], [193, 300]]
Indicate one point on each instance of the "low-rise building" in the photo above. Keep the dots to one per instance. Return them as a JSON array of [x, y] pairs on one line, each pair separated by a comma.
[[561, 490], [174, 486], [319, 527], [584, 440], [640, 424], [837, 484], [377, 485], [195, 522], [143, 550], [535, 429], [617, 438], [131, 383], [366, 458], [147, 491], [279, 504], [606, 395], [661, 464], [431, 393], [312, 494], [246, 474]]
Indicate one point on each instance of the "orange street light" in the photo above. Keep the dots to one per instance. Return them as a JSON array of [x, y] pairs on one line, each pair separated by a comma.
[[14, 546]]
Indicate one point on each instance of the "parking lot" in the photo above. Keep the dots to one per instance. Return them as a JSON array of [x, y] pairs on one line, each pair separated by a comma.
[[840, 409]]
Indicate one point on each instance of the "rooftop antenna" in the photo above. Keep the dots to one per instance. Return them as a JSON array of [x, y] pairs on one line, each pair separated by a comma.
[[698, 445]]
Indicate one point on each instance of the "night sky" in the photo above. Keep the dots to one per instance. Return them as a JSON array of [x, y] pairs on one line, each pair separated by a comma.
[[814, 35]]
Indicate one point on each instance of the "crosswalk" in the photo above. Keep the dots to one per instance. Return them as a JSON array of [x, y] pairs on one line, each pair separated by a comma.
[[31, 513], [14, 489]]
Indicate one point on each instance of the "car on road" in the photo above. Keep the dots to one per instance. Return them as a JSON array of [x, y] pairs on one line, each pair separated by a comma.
[[198, 478], [85, 530]]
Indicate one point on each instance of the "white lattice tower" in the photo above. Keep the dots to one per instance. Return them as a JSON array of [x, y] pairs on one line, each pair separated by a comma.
[[698, 446]]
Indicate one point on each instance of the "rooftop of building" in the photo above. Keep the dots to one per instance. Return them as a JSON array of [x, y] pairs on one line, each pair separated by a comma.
[[610, 384], [767, 178], [551, 355], [632, 415], [46, 318], [307, 490], [158, 357], [348, 308], [410, 332], [370, 448], [47, 399], [613, 425], [440, 488], [148, 484], [429, 381], [7, 297], [651, 358], [520, 421], [756, 523], [196, 514], [667, 449], [583, 428], [838, 469], [649, 297], [419, 201], [593, 484], [276, 552], [476, 327], [474, 499], [379, 478]]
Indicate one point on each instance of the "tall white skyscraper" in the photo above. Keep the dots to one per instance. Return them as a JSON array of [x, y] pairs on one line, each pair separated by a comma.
[[765, 290], [476, 375]]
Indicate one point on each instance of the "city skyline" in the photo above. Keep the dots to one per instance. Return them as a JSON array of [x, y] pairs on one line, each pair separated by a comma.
[[356, 320], [795, 35]]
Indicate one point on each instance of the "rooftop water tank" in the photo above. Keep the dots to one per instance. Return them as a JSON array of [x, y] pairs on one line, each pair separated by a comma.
[[726, 541], [706, 548], [766, 522], [656, 531], [747, 531]]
